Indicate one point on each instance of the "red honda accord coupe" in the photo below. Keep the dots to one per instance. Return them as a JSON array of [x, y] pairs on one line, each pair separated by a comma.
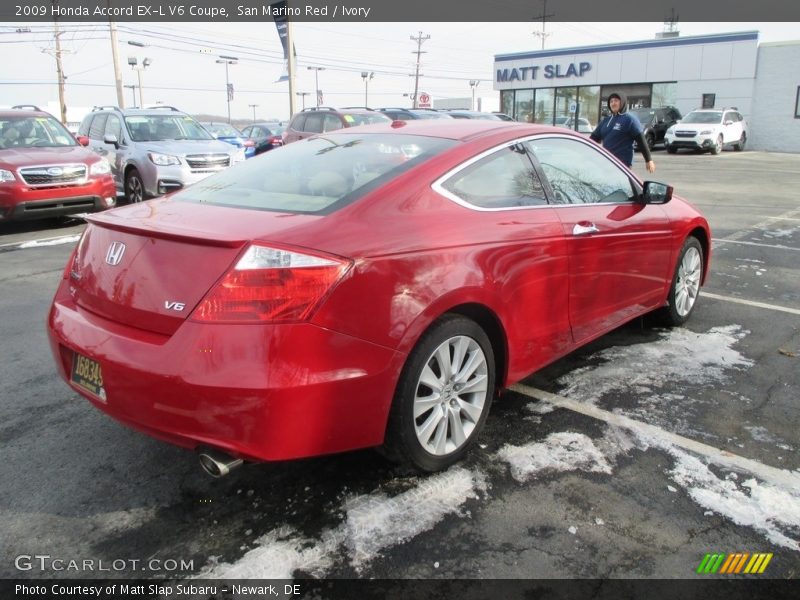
[[374, 286]]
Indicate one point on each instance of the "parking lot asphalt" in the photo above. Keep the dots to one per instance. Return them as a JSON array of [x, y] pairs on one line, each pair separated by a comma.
[[630, 458]]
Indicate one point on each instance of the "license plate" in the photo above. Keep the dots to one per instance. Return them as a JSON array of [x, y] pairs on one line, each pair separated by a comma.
[[87, 375]]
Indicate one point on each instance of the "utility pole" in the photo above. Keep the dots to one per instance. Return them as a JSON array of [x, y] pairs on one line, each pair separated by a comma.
[[418, 52], [59, 69], [253, 106], [112, 25], [292, 67], [544, 16]]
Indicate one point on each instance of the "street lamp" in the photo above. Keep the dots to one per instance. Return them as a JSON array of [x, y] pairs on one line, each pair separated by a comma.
[[367, 77], [253, 106], [473, 83], [316, 79], [133, 62], [228, 60], [303, 96]]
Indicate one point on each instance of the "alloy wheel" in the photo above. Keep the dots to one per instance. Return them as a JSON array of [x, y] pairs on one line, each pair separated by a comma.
[[450, 395], [687, 285]]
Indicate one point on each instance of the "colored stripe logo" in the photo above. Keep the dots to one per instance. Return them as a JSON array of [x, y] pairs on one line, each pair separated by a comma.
[[734, 564]]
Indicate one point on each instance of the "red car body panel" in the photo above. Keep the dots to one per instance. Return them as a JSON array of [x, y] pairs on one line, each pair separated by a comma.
[[287, 390]]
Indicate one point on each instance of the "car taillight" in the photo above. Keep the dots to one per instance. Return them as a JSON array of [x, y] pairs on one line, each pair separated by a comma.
[[249, 143], [271, 285], [276, 139]]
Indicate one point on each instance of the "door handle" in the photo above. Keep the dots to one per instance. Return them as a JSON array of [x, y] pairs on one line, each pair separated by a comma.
[[584, 228]]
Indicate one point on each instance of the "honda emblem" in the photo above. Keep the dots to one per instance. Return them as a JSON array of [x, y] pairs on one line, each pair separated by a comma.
[[114, 254]]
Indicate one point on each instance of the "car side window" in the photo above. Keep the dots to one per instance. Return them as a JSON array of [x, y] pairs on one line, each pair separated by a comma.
[[313, 123], [246, 131], [332, 123], [299, 122], [504, 179], [114, 127], [84, 128], [580, 174], [98, 127]]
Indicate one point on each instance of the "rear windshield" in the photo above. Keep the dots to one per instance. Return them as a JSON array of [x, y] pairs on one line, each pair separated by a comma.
[[354, 119], [223, 130], [317, 175]]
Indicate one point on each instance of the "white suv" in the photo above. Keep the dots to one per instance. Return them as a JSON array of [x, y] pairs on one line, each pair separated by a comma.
[[708, 129]]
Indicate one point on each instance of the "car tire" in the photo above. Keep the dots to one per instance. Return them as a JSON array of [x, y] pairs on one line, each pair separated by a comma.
[[685, 287], [443, 396], [134, 187], [739, 146], [671, 149], [717, 147]]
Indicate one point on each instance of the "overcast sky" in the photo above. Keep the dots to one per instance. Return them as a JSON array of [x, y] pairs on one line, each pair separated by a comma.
[[184, 73]]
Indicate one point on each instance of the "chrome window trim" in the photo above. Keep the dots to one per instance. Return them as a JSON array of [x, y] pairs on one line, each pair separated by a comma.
[[438, 187]]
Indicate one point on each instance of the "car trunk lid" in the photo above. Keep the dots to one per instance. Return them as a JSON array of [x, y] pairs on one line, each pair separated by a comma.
[[149, 265]]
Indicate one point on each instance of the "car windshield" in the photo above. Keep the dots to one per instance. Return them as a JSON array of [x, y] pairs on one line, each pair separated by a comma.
[[33, 132], [645, 115], [703, 117], [354, 119], [223, 130], [151, 128], [316, 175]]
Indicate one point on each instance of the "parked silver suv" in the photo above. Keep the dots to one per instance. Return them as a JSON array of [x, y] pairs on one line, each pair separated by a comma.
[[154, 151]]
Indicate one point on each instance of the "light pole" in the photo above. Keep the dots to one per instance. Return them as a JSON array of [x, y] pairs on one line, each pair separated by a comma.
[[303, 96], [367, 77], [133, 62], [473, 83], [253, 106], [228, 60], [316, 79]]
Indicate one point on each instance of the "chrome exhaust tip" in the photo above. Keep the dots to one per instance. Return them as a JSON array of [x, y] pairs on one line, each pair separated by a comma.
[[216, 463]]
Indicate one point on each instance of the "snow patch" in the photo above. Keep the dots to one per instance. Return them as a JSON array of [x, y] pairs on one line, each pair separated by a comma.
[[679, 356], [562, 451], [69, 239], [373, 522]]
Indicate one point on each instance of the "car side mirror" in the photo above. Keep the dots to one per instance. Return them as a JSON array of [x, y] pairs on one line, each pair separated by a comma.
[[677, 121], [82, 140], [111, 139], [215, 136], [728, 123], [656, 193]]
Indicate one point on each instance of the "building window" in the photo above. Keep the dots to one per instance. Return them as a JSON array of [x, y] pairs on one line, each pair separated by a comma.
[[507, 102], [797, 104], [523, 106]]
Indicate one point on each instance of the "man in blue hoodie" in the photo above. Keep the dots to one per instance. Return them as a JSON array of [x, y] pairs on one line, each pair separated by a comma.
[[619, 130]]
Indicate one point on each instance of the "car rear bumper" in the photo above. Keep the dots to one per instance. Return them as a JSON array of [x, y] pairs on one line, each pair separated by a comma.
[[263, 392]]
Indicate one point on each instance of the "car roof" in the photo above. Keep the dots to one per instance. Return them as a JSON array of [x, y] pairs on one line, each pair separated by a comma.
[[18, 112], [454, 129]]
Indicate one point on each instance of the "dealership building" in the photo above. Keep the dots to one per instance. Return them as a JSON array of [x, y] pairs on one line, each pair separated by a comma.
[[712, 71]]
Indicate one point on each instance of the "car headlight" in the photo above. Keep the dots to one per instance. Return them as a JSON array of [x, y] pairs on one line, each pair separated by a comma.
[[238, 155], [707, 132], [6, 176], [163, 160], [101, 167]]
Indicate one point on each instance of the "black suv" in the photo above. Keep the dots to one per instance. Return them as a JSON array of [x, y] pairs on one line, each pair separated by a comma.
[[656, 121], [311, 121]]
